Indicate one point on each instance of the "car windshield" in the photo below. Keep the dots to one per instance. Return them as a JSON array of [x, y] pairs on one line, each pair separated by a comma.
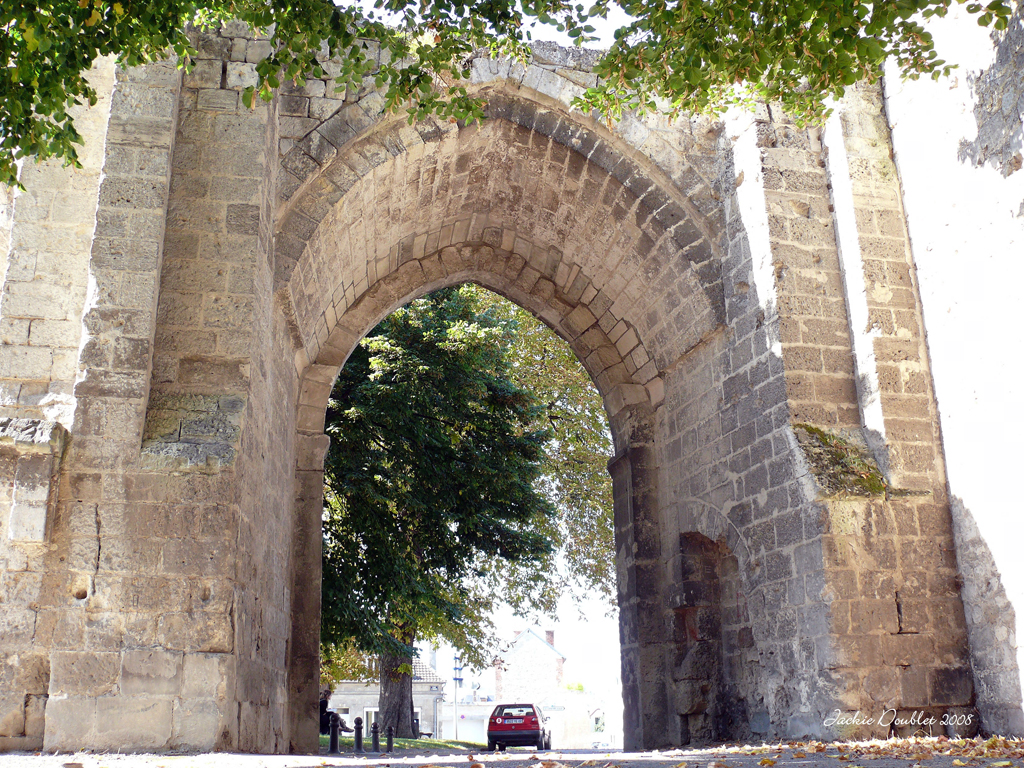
[[514, 710]]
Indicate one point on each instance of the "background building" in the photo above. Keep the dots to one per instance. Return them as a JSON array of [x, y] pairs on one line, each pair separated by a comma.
[[356, 698]]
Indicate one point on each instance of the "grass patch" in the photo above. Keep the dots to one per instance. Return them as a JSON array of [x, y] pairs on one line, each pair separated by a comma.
[[840, 465], [411, 746]]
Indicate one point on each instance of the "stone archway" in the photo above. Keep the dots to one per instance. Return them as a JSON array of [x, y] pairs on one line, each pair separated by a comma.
[[163, 544], [535, 221]]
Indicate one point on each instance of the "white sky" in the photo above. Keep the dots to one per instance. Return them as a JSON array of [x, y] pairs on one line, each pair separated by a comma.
[[605, 30], [589, 640]]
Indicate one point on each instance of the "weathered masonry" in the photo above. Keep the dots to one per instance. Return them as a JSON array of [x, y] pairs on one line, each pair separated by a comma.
[[173, 316]]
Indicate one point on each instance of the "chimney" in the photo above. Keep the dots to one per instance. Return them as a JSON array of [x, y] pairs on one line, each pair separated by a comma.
[[549, 635]]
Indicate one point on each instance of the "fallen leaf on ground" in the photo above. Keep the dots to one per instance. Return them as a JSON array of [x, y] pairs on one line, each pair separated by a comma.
[[799, 754], [766, 761]]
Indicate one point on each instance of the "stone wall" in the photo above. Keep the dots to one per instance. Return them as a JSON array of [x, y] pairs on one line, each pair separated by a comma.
[[171, 599], [46, 239], [49, 235], [907, 632]]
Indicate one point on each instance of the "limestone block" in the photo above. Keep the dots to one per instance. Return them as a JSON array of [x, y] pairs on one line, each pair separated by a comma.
[[238, 46], [35, 722], [204, 74], [25, 362], [239, 74], [322, 108], [310, 451], [483, 70], [149, 672], [54, 333], [83, 673], [12, 714], [212, 46], [145, 723], [196, 724], [951, 685], [258, 50], [37, 445], [207, 675], [70, 722], [235, 28], [544, 81], [217, 100], [32, 674], [29, 502], [208, 632]]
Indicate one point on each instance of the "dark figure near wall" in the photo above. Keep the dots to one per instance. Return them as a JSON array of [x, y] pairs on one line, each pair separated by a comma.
[[325, 716]]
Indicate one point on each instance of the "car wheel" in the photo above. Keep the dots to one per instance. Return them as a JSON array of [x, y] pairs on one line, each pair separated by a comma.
[[501, 747], [547, 741], [491, 745], [540, 742]]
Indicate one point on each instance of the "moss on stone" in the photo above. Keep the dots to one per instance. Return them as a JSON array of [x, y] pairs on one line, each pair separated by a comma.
[[841, 466]]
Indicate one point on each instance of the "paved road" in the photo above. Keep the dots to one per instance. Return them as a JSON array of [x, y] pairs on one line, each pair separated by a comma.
[[915, 753]]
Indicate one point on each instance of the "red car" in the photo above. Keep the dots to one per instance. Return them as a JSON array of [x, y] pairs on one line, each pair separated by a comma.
[[517, 725]]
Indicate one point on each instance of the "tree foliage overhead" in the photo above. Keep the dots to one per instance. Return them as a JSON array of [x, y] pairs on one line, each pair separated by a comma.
[[701, 55], [466, 467], [47, 47], [407, 417], [687, 53], [575, 473], [431, 477]]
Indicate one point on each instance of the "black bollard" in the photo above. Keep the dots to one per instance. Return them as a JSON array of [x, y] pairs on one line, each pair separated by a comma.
[[335, 726], [358, 735], [375, 738], [391, 739]]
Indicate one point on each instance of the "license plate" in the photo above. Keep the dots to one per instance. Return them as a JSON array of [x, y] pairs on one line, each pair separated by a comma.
[[514, 720]]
